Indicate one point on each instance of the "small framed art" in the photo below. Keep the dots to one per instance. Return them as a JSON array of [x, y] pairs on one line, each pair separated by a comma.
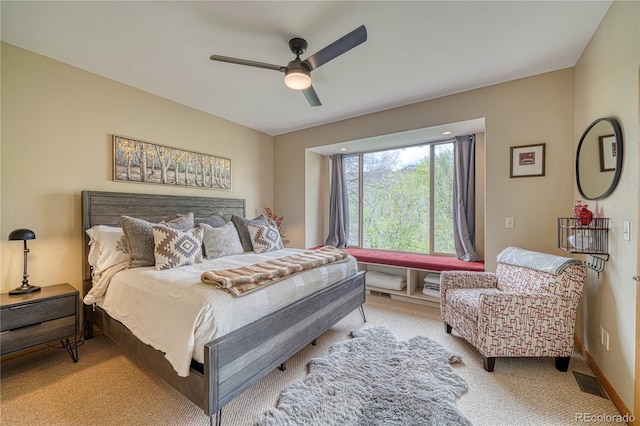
[[527, 160]]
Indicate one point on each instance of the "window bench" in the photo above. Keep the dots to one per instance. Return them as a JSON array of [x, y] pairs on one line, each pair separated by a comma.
[[415, 267]]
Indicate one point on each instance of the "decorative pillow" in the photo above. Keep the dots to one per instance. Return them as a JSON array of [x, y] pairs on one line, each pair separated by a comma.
[[241, 225], [139, 235], [214, 220], [264, 238], [221, 241], [173, 248], [107, 247]]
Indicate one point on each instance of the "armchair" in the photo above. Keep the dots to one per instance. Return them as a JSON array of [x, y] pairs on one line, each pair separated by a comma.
[[527, 308]]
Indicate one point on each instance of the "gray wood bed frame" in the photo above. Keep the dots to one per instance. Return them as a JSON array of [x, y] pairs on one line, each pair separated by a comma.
[[236, 361]]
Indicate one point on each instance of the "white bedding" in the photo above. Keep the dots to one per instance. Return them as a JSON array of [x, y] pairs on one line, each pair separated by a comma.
[[172, 311]]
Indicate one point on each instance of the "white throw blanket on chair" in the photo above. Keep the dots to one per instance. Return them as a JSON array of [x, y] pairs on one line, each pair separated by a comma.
[[548, 263]]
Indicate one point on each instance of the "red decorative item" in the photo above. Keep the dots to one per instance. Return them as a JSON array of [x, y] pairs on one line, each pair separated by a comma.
[[585, 216], [577, 206]]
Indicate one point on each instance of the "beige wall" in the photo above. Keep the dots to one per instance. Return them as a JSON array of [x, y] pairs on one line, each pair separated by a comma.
[[58, 122], [606, 85], [527, 111], [316, 198]]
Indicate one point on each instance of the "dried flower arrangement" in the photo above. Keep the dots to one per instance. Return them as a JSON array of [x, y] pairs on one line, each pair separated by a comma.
[[272, 217]]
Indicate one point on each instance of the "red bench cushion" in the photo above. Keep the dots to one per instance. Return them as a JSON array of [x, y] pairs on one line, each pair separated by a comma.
[[414, 260]]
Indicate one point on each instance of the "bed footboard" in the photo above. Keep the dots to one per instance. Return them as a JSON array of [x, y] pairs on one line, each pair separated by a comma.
[[239, 359]]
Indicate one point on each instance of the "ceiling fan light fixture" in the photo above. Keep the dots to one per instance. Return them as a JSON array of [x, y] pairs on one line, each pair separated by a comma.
[[297, 79], [297, 73]]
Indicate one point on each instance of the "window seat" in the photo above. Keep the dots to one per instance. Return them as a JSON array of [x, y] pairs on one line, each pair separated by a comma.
[[414, 269], [414, 260]]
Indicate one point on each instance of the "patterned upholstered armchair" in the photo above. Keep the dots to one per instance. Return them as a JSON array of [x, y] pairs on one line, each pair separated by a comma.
[[526, 308]]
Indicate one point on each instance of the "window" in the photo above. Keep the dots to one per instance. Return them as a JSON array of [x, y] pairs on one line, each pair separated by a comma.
[[402, 199]]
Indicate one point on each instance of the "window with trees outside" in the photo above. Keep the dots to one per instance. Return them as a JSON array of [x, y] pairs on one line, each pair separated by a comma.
[[401, 199]]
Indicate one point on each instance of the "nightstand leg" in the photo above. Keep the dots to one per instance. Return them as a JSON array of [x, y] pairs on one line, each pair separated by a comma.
[[71, 350]]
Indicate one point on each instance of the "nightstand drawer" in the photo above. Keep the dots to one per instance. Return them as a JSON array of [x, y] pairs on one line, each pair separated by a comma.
[[36, 312], [25, 337]]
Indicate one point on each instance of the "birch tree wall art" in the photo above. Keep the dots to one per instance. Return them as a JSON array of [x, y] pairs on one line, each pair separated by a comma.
[[138, 161]]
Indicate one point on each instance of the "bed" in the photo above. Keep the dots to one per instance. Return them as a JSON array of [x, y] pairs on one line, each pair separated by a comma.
[[234, 361]]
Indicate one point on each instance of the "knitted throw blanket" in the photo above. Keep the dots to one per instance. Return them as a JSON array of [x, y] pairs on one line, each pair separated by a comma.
[[246, 279]]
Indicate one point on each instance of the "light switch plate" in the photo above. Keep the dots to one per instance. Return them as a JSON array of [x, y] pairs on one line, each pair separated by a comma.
[[509, 222], [627, 231]]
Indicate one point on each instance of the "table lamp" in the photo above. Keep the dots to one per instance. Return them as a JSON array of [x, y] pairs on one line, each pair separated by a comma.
[[24, 235]]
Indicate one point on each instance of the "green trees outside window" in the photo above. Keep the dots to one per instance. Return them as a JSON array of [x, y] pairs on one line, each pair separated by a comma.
[[402, 199]]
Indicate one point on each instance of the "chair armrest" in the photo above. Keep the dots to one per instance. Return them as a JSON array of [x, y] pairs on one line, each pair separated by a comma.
[[467, 279], [450, 280]]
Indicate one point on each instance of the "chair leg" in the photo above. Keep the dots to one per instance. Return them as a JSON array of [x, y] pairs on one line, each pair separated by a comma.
[[562, 363], [447, 328], [488, 363]]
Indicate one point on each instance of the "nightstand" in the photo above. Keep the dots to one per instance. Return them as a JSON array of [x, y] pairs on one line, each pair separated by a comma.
[[34, 319]]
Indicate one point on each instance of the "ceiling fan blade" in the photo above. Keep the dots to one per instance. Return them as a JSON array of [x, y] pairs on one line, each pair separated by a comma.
[[338, 47], [312, 96], [247, 62]]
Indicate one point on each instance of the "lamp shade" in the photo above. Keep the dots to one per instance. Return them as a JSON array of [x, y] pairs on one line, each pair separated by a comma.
[[22, 234], [297, 79], [297, 75]]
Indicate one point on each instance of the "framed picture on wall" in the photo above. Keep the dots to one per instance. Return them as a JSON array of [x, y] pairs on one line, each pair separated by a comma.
[[527, 160], [608, 153], [139, 161]]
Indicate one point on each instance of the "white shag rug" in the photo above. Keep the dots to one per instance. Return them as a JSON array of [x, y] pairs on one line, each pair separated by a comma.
[[375, 379]]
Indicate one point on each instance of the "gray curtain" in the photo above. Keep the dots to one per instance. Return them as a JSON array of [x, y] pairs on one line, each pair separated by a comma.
[[464, 198], [338, 205]]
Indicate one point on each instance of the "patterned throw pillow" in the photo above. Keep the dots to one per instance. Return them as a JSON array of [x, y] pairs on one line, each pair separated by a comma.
[[241, 225], [221, 241], [264, 238], [139, 235], [107, 247], [175, 248]]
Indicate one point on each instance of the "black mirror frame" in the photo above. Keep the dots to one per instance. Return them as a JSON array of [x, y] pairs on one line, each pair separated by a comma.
[[619, 146]]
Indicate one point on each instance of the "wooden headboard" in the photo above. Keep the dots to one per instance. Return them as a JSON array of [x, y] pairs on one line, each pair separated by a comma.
[[105, 208]]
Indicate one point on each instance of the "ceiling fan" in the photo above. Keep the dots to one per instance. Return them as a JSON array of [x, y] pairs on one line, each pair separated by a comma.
[[297, 73]]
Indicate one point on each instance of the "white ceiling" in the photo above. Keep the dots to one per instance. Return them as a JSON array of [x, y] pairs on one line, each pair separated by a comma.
[[416, 50]]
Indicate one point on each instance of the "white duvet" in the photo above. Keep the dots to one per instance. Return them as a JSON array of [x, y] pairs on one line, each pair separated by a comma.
[[172, 311]]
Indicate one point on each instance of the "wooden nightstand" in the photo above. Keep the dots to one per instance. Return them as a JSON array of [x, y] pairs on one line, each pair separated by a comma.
[[34, 319]]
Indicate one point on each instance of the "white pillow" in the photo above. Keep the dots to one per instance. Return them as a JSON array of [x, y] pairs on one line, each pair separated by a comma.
[[221, 241], [264, 238], [107, 247]]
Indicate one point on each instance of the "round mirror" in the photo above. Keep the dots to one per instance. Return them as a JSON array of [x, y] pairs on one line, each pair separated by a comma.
[[599, 159]]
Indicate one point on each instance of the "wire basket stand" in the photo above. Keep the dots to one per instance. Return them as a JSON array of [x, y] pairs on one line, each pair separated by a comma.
[[591, 239]]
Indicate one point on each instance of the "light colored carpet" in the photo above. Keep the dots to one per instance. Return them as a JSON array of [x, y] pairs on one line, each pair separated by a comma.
[[105, 388]]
